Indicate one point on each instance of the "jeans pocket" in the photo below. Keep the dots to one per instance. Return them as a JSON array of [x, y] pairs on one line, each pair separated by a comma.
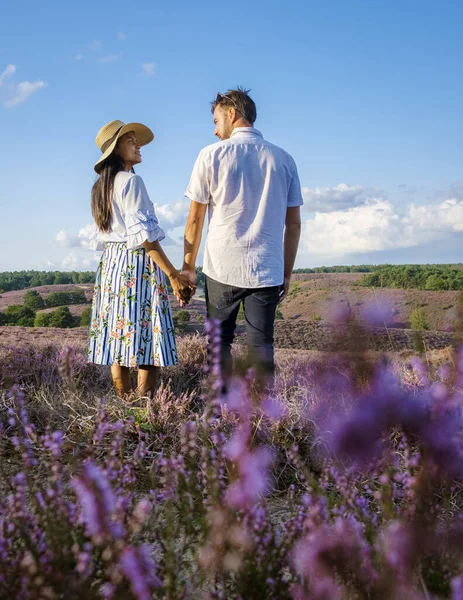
[[220, 295], [223, 299]]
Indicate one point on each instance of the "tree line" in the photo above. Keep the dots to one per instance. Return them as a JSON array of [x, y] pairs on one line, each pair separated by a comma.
[[20, 280], [421, 277], [338, 269], [426, 277]]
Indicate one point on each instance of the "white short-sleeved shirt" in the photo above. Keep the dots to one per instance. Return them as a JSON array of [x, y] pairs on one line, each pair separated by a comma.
[[133, 220], [248, 184]]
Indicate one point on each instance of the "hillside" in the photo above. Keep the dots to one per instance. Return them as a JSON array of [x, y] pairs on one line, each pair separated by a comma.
[[314, 297], [16, 296], [307, 312]]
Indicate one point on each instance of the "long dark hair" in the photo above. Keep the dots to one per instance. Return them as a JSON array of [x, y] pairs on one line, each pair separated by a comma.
[[102, 191]]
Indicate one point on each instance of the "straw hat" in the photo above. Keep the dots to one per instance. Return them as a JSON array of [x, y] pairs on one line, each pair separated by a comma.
[[108, 135]]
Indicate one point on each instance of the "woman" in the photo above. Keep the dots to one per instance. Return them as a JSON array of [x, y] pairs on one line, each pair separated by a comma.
[[131, 321]]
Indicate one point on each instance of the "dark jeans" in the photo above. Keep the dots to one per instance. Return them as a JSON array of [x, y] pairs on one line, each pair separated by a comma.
[[259, 304]]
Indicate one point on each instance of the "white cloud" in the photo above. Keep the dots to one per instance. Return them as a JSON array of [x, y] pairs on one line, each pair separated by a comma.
[[71, 261], [17, 92], [79, 240], [339, 197], [75, 262], [22, 91], [109, 58], [149, 69], [95, 46], [445, 217], [8, 72], [66, 240], [172, 215], [377, 225], [78, 56], [122, 36]]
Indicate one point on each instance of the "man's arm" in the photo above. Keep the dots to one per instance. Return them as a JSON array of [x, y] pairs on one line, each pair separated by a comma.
[[291, 243], [192, 238]]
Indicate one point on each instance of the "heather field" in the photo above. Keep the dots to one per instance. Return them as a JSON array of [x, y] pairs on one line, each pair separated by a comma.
[[313, 297], [343, 481]]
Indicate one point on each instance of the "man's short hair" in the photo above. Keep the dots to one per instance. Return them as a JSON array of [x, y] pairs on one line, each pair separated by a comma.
[[238, 99]]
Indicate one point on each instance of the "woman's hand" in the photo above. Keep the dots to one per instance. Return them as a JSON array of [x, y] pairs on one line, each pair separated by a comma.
[[181, 287]]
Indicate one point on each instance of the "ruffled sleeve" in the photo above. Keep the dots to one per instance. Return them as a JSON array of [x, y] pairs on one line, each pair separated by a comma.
[[140, 219], [94, 242]]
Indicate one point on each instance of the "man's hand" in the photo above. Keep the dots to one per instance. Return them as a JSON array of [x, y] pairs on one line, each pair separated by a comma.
[[285, 289], [192, 278]]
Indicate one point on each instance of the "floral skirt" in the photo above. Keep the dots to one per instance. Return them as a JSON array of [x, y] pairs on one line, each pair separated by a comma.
[[131, 321]]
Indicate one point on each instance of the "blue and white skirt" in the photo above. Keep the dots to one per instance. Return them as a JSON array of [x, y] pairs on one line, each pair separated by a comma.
[[131, 321]]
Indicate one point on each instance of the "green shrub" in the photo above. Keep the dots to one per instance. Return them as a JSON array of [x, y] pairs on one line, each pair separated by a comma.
[[294, 289], [17, 314], [86, 316], [418, 320], [61, 317], [32, 299], [42, 319], [183, 316], [278, 314], [64, 298]]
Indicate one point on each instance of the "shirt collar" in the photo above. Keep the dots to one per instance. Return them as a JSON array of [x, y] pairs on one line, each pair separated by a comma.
[[250, 130]]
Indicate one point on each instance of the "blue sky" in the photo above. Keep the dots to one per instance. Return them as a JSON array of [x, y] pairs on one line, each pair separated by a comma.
[[365, 94]]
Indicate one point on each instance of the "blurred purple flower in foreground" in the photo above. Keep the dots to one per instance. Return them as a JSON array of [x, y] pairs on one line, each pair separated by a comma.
[[98, 503]]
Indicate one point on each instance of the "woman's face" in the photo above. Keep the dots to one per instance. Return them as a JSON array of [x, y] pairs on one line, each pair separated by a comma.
[[129, 150]]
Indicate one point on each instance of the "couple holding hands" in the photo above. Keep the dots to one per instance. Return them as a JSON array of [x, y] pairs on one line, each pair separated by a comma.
[[252, 192]]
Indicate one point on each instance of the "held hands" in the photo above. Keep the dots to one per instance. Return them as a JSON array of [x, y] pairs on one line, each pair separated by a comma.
[[184, 286]]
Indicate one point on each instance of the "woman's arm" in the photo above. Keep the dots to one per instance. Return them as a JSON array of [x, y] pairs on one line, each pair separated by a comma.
[[179, 282]]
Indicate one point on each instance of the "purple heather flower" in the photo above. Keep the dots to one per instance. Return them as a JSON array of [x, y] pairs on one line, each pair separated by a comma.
[[376, 313], [252, 480], [273, 409], [457, 588], [98, 502], [139, 568], [107, 591]]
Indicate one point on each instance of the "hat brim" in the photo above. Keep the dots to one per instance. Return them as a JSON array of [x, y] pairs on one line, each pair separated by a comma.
[[144, 137]]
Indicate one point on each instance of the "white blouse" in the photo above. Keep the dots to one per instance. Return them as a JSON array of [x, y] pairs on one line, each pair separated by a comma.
[[134, 220]]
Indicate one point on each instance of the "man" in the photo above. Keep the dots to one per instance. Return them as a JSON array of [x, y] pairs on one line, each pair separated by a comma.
[[253, 193]]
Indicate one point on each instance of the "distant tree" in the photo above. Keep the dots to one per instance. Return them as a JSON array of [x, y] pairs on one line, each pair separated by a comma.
[[42, 319], [61, 317], [32, 299], [418, 319], [3, 319], [200, 277], [64, 298], [86, 316], [86, 277], [422, 277], [19, 280]]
